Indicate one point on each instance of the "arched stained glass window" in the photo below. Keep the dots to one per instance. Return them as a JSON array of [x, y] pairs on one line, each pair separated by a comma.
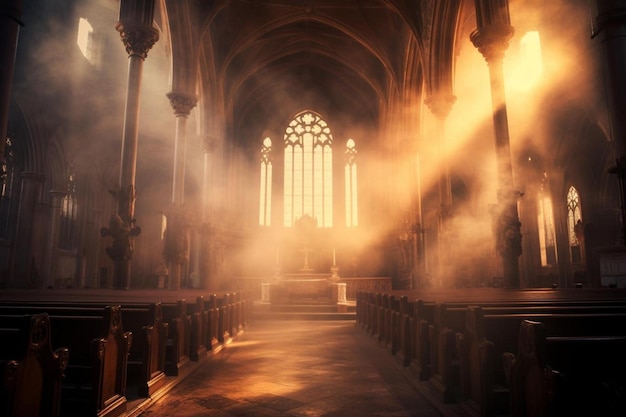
[[574, 223], [308, 187], [545, 222], [352, 216], [265, 207], [69, 214]]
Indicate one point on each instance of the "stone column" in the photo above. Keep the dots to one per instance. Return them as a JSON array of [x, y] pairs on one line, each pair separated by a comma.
[[177, 234], [138, 35], [207, 235], [492, 40], [10, 22], [54, 220], [419, 249], [440, 105], [611, 22]]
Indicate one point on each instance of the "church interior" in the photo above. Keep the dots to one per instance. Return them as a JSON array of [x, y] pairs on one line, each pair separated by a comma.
[[408, 163]]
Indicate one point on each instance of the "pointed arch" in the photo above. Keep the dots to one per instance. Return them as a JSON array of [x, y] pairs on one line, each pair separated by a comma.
[[308, 174]]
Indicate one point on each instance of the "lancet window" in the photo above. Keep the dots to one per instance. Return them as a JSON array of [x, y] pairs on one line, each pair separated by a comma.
[[545, 221], [352, 215], [265, 206], [308, 175], [69, 214], [574, 224]]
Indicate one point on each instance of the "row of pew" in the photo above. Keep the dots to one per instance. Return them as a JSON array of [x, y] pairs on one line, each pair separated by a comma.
[[507, 358], [76, 358]]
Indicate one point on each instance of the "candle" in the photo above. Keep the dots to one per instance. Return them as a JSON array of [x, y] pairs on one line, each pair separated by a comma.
[[334, 260]]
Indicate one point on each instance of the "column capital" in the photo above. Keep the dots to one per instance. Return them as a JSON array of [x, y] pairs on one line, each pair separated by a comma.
[[138, 39], [209, 143], [492, 41], [440, 104], [182, 103]]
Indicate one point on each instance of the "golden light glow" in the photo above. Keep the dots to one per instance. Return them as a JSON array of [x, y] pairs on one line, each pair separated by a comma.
[[524, 71], [83, 40]]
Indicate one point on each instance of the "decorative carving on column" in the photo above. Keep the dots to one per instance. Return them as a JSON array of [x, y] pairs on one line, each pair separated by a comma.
[[182, 103], [440, 105], [122, 233], [209, 144], [137, 39], [493, 41], [491, 38]]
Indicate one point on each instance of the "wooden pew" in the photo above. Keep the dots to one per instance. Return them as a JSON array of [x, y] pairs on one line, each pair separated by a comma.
[[198, 329], [32, 373], [178, 343], [223, 334], [146, 362], [95, 383], [444, 357], [450, 319], [568, 375], [489, 341], [213, 314]]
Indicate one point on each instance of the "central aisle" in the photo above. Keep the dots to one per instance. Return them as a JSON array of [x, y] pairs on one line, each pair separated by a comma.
[[296, 368]]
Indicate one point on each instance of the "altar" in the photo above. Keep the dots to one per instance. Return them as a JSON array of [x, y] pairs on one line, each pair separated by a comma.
[[302, 287]]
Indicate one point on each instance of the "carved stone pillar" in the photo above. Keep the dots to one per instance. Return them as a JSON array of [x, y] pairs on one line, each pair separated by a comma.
[[492, 40], [207, 271], [611, 22], [209, 146], [176, 244], [177, 241], [10, 22], [138, 35], [182, 105], [440, 105]]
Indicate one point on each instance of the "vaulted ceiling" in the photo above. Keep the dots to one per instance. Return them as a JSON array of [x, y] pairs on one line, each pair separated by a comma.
[[261, 60]]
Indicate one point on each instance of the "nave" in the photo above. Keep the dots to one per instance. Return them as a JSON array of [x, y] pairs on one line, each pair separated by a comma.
[[299, 368], [458, 353]]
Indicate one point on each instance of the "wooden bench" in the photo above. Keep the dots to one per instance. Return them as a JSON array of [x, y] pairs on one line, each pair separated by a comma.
[[95, 377], [146, 362], [450, 319], [32, 373], [568, 375], [488, 343]]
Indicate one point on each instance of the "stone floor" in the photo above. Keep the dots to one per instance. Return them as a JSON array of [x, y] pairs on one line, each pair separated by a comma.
[[300, 369]]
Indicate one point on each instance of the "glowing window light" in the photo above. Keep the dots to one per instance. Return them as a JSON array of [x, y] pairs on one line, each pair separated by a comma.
[[352, 218], [265, 206], [574, 222], [84, 40], [545, 220], [308, 185], [527, 70]]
